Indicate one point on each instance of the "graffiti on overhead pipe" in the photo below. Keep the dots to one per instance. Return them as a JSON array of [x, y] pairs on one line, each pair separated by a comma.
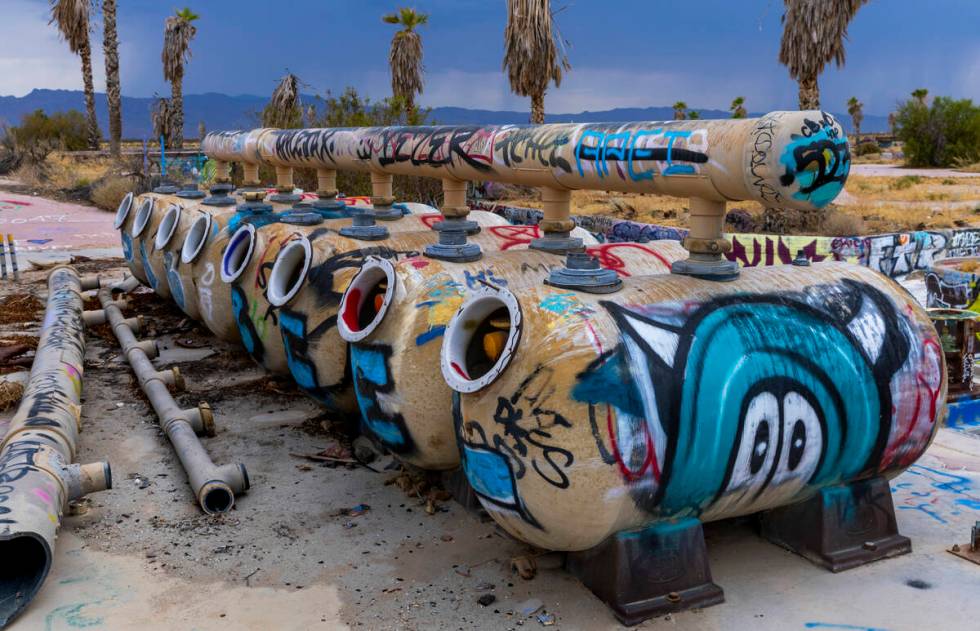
[[795, 424], [639, 154], [818, 159]]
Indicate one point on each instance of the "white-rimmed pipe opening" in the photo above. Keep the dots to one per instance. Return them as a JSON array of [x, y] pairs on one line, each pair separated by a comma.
[[238, 253], [289, 271], [196, 237], [143, 215], [365, 303], [123, 211], [481, 339], [168, 226]]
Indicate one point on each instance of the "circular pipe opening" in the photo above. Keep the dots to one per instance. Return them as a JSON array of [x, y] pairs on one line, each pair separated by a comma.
[[217, 499], [481, 339], [196, 237], [289, 271], [238, 253], [123, 211], [168, 226], [143, 214], [26, 561], [366, 301]]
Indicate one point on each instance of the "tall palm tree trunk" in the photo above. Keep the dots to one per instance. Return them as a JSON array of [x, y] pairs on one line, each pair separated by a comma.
[[85, 52], [177, 103], [110, 45], [809, 94], [537, 108]]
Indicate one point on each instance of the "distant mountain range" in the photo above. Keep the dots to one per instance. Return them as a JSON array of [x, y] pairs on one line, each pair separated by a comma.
[[222, 111]]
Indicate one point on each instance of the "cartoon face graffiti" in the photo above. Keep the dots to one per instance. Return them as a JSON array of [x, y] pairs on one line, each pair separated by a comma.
[[743, 403]]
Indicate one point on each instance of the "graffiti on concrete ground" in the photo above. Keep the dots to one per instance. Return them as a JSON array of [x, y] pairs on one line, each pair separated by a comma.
[[829, 384], [941, 495]]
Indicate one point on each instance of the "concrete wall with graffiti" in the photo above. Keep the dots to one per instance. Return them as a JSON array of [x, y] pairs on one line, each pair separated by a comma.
[[894, 254]]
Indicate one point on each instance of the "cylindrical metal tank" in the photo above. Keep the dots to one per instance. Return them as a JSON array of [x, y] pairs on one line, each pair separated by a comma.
[[395, 314], [253, 249], [138, 211], [680, 397], [309, 279], [163, 247]]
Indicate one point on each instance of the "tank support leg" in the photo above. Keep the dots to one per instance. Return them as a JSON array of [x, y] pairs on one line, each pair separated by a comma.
[[841, 527], [649, 572]]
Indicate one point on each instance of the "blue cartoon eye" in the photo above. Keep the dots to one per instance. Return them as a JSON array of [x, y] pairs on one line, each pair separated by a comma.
[[757, 450]]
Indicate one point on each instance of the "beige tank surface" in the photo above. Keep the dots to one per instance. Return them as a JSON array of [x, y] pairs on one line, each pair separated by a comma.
[[394, 315], [143, 207], [163, 246], [307, 286], [680, 397], [252, 252]]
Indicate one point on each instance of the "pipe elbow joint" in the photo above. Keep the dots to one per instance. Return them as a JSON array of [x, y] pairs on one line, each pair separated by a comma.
[[83, 479]]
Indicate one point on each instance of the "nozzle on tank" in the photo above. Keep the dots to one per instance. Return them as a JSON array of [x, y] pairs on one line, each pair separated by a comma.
[[557, 223], [583, 273], [284, 187], [707, 244], [452, 245], [326, 202], [222, 188]]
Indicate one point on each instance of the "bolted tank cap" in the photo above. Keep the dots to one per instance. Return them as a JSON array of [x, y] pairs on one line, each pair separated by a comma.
[[582, 272], [453, 224], [190, 193], [166, 188], [300, 218], [801, 260], [363, 227], [219, 188], [452, 246]]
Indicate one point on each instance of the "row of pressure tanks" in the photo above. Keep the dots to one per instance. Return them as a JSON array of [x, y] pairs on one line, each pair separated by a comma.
[[574, 415]]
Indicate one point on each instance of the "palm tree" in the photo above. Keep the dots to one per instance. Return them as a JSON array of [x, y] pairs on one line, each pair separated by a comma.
[[405, 57], [531, 52], [284, 109], [856, 109], [892, 122], [72, 18], [813, 35], [737, 107], [920, 95], [178, 32], [110, 46], [162, 118], [694, 115], [680, 110]]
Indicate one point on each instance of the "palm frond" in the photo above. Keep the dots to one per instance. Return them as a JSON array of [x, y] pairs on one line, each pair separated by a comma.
[[405, 56], [534, 54], [72, 18], [285, 105], [177, 35], [814, 33]]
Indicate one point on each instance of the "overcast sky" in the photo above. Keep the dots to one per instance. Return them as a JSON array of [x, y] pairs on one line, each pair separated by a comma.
[[623, 52]]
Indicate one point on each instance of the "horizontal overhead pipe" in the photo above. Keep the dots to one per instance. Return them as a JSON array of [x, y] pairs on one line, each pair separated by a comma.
[[214, 487], [788, 159], [37, 477], [796, 160]]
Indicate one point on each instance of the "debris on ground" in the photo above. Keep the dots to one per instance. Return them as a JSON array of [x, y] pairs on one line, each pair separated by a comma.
[[486, 599], [546, 619], [528, 607], [10, 394], [17, 308], [526, 567]]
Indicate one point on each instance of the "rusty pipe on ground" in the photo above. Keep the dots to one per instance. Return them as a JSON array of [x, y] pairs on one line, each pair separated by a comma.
[[214, 487], [37, 477]]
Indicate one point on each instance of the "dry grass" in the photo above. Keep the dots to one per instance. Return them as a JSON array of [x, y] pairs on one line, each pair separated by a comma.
[[872, 205], [109, 192]]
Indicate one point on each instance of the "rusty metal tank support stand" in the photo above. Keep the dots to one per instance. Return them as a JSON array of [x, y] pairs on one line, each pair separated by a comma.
[[214, 487], [37, 479]]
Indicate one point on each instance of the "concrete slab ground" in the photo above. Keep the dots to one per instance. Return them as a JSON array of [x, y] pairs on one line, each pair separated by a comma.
[[897, 170], [143, 556]]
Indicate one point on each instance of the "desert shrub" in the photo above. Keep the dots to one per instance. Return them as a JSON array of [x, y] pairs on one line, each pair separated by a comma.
[[906, 182], [941, 135], [867, 148], [39, 134], [840, 224], [108, 192]]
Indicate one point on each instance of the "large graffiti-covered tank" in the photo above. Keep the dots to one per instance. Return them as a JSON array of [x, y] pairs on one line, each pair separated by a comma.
[[395, 315], [682, 398]]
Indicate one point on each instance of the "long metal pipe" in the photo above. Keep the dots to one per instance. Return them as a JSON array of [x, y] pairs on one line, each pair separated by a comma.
[[788, 159], [37, 477], [214, 486]]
